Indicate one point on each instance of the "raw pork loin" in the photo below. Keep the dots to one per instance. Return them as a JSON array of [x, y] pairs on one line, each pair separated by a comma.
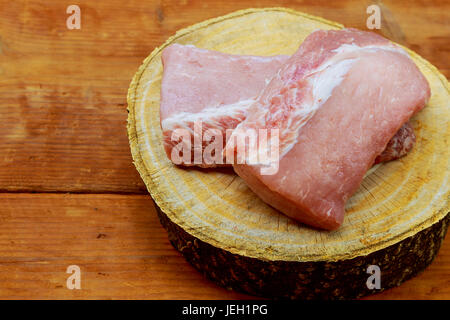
[[210, 87], [336, 103], [217, 89]]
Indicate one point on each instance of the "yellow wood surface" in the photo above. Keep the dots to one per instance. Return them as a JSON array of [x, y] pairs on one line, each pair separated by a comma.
[[395, 201]]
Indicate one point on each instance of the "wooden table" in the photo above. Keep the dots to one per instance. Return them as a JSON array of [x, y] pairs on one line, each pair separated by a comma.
[[70, 194]]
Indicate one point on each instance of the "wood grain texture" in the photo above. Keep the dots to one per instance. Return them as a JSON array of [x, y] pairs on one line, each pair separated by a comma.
[[62, 129], [123, 253], [63, 92], [116, 240], [309, 280]]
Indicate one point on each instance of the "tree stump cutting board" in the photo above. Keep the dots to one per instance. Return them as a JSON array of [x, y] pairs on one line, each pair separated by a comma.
[[397, 220]]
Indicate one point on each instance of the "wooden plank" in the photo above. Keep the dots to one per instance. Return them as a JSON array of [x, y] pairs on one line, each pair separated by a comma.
[[116, 240], [63, 92], [123, 253]]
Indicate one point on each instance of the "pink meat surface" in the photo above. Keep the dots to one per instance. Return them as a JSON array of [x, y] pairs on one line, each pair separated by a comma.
[[218, 88], [211, 88], [399, 145], [337, 102]]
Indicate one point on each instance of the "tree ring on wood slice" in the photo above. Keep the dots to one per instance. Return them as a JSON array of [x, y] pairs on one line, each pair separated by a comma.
[[397, 220]]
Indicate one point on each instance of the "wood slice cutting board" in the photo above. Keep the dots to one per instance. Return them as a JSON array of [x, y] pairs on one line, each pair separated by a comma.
[[397, 220]]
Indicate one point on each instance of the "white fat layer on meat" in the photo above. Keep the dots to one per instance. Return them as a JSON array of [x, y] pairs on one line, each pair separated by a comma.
[[323, 80], [347, 48], [322, 83], [207, 115]]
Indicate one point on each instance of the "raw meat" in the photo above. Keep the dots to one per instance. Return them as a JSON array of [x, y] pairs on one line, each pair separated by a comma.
[[336, 104], [210, 87], [399, 145], [217, 89]]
